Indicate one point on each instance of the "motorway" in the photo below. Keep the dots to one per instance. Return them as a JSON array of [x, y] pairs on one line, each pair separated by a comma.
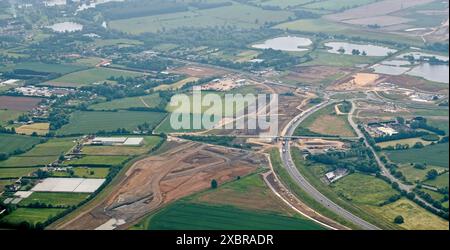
[[303, 182]]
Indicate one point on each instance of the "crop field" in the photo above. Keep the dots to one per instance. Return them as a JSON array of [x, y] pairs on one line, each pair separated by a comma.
[[246, 193], [333, 28], [98, 160], [30, 215], [53, 147], [44, 67], [82, 122], [148, 101], [337, 5], [4, 183], [149, 143], [166, 126], [89, 77], [27, 161], [409, 141], [15, 172], [19, 103], [363, 189], [441, 181], [54, 199], [326, 122], [243, 16], [8, 115], [434, 155], [38, 128], [412, 174], [178, 84], [186, 216], [85, 172], [324, 58], [10, 143], [416, 218]]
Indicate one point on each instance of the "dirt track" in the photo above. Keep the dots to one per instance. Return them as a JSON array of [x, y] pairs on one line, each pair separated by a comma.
[[188, 167]]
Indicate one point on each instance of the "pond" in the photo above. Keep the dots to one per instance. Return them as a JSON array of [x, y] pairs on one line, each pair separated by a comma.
[[435, 73], [371, 50], [66, 27], [287, 43], [390, 70]]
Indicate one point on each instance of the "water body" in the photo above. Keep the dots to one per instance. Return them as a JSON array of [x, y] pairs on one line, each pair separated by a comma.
[[371, 50], [435, 73], [287, 43], [418, 55], [390, 70], [66, 27]]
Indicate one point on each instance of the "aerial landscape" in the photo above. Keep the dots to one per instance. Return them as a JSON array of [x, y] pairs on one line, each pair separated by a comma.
[[224, 115]]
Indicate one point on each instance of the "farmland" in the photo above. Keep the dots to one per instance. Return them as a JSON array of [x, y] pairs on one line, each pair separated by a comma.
[[148, 101], [440, 181], [326, 122], [435, 155], [10, 173], [236, 14], [43, 67], [199, 216], [11, 143], [31, 215], [416, 218], [19, 103], [413, 174], [363, 189], [92, 122], [89, 77], [98, 160], [55, 199], [38, 128], [84, 172], [8, 115]]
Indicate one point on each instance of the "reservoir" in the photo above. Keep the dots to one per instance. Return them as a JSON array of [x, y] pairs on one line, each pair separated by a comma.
[[287, 43]]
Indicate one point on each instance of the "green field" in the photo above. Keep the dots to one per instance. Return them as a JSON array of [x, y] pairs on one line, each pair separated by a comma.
[[30, 215], [82, 122], [413, 174], [27, 161], [8, 115], [54, 199], [44, 67], [325, 122], [416, 218], [243, 16], [434, 155], [320, 57], [189, 216], [332, 28], [98, 160], [53, 147], [84, 172], [363, 189], [409, 141], [148, 101], [10, 143], [15, 172], [337, 5], [441, 181], [89, 77]]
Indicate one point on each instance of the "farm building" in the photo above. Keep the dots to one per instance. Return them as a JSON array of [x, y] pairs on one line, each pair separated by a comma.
[[124, 141], [75, 185]]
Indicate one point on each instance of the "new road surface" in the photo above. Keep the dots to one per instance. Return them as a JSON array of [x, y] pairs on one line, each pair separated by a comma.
[[304, 184]]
